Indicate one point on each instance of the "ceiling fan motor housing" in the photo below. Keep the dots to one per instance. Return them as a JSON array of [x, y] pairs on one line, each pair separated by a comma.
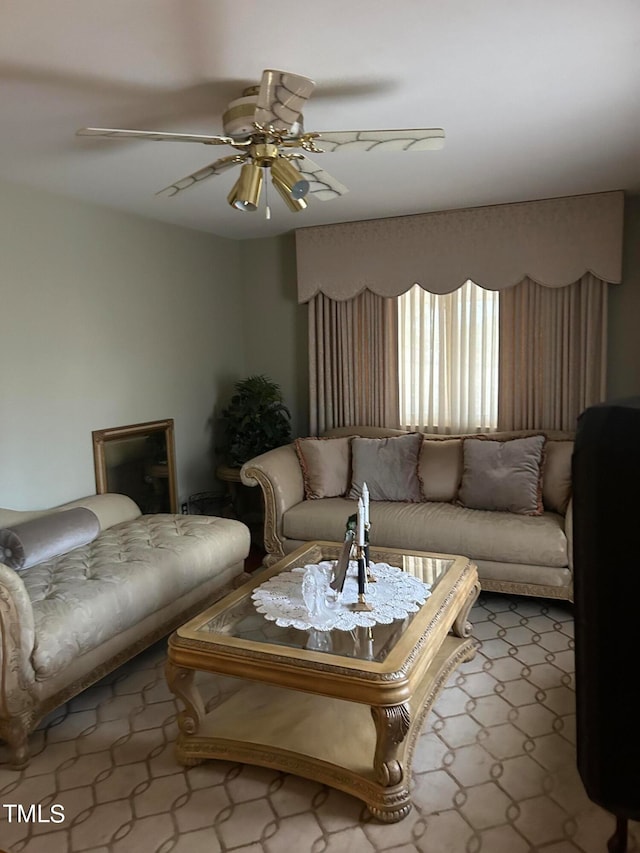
[[240, 114]]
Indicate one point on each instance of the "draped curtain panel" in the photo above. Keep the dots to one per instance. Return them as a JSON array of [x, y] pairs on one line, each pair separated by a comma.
[[448, 359], [353, 362], [553, 345]]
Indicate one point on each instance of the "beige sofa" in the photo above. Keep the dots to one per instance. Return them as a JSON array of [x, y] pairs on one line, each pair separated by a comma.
[[529, 555], [68, 620]]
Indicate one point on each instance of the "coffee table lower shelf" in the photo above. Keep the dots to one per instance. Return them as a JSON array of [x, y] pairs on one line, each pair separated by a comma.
[[364, 751]]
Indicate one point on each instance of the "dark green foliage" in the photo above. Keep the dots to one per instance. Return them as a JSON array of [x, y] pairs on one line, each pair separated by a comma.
[[256, 420]]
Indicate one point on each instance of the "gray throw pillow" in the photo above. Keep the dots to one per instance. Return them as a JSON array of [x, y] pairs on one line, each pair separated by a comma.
[[503, 475], [389, 467], [31, 542]]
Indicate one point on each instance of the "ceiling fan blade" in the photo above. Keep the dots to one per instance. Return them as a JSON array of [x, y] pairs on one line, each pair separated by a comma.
[[156, 136], [281, 98], [323, 185], [419, 139], [209, 171]]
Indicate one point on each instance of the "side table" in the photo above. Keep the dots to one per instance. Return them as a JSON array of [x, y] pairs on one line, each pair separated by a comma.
[[243, 502], [231, 477]]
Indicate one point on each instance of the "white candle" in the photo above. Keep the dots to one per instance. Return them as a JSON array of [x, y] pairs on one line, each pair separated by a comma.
[[365, 501], [360, 527]]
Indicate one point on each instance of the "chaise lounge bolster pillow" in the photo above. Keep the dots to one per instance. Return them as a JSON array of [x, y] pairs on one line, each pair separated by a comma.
[[31, 542]]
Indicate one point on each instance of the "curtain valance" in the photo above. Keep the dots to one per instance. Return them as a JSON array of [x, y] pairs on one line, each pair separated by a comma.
[[553, 242]]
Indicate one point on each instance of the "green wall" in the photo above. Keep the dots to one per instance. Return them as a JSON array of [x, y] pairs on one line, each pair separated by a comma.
[[108, 319], [275, 325]]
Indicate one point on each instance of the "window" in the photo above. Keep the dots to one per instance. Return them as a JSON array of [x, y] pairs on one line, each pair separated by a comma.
[[448, 359]]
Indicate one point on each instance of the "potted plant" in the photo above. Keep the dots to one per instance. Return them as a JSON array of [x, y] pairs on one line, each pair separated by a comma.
[[256, 420]]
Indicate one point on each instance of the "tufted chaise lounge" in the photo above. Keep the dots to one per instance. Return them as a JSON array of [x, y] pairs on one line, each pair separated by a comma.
[[68, 620]]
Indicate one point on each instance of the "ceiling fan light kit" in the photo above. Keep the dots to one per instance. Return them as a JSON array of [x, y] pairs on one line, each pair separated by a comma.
[[264, 125], [292, 186]]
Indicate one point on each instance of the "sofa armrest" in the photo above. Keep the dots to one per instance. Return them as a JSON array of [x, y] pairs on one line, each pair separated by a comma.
[[279, 475], [17, 677]]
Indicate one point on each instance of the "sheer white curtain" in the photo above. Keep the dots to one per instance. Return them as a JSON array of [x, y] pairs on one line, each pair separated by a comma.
[[448, 359]]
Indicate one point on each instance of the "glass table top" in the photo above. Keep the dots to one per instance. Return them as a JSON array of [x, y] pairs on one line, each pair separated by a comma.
[[236, 616]]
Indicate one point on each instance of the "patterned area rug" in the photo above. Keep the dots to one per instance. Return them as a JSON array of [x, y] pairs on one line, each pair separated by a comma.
[[494, 769]]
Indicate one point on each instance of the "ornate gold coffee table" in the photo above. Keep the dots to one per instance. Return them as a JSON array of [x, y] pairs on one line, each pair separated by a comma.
[[342, 708]]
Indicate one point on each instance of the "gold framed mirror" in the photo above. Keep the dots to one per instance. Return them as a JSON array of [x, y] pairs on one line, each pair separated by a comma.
[[138, 460]]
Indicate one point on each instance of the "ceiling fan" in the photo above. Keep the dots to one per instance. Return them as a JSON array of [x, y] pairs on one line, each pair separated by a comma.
[[265, 126]]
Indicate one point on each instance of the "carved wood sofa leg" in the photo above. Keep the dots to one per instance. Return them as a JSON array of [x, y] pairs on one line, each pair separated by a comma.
[[16, 733]]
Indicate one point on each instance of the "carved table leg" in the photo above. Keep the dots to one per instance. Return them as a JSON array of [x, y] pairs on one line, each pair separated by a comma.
[[462, 627], [181, 683], [392, 724]]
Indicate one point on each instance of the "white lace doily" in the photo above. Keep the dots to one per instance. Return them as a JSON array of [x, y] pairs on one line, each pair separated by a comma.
[[393, 596]]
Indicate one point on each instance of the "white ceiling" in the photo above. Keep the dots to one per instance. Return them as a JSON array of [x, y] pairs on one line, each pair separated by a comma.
[[538, 98]]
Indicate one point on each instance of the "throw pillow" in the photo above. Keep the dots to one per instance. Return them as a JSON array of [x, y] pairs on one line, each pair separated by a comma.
[[440, 469], [31, 542], [326, 466], [389, 467], [503, 475]]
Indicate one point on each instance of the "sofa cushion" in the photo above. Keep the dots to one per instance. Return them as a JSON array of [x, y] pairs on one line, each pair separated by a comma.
[[326, 466], [503, 475], [31, 542], [130, 571], [441, 527], [509, 576], [389, 467], [440, 468], [556, 478]]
